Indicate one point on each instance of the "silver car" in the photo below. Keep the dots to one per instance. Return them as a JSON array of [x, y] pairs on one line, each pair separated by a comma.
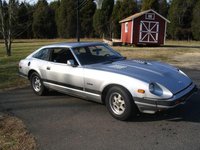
[[96, 72]]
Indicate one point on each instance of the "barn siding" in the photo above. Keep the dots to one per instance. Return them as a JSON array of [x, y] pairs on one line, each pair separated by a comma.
[[122, 32], [136, 31], [126, 36], [132, 36], [129, 31], [137, 28]]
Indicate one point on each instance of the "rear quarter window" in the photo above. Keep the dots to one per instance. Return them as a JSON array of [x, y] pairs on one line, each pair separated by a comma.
[[42, 54]]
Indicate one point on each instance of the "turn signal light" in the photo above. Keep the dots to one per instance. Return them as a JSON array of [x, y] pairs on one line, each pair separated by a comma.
[[141, 91]]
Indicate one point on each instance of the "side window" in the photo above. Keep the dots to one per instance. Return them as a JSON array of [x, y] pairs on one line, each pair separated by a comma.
[[150, 16], [80, 50], [42, 54], [61, 55], [126, 27]]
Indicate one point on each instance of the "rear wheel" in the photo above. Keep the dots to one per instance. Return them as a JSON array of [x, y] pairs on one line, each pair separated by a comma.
[[120, 104], [37, 84]]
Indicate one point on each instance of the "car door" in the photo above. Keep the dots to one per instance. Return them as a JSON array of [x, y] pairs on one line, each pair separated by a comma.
[[61, 76]]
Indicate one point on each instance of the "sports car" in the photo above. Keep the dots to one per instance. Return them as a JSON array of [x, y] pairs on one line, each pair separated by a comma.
[[94, 71]]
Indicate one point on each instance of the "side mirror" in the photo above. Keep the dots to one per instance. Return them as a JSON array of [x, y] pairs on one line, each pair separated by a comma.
[[71, 63]]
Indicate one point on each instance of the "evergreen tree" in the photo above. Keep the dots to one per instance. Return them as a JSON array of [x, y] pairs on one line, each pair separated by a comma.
[[104, 15], [107, 8], [43, 21], [163, 8], [128, 7], [98, 22], [116, 27], [86, 18], [196, 21], [61, 20], [30, 12], [66, 21], [55, 5], [25, 12], [122, 10], [180, 16], [150, 4]]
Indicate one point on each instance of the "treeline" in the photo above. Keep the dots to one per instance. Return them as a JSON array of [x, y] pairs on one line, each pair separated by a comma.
[[58, 19]]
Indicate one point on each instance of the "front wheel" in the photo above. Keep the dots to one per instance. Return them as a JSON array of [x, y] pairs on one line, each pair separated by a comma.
[[37, 85], [120, 104]]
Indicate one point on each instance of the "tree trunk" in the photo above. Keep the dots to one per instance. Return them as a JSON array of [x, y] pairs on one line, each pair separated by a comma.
[[8, 48], [6, 33], [8, 44]]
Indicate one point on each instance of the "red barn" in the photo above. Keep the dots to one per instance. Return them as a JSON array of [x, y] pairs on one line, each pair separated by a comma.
[[144, 28]]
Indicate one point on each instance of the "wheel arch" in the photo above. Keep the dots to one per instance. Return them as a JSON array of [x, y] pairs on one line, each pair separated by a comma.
[[106, 88], [30, 72]]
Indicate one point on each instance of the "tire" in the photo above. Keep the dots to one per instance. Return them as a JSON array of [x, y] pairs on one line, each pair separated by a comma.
[[120, 104], [37, 84]]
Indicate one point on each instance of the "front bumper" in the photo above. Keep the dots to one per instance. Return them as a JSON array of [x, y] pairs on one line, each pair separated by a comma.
[[154, 105]]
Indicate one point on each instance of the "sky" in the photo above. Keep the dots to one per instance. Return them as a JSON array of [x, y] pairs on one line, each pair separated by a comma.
[[35, 1]]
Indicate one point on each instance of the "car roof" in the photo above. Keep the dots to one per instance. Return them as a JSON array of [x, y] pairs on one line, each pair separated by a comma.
[[73, 44]]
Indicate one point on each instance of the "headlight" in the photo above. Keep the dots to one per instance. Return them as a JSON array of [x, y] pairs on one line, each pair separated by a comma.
[[151, 87], [159, 91], [155, 89]]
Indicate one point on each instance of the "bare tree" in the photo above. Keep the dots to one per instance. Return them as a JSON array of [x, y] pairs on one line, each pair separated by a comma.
[[7, 18]]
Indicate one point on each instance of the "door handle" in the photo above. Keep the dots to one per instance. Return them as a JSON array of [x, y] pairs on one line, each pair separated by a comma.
[[48, 68]]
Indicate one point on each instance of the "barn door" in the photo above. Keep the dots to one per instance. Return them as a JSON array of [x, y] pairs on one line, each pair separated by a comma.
[[149, 32]]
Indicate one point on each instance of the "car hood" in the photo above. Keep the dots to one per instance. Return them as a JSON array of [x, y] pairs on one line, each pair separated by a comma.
[[148, 71]]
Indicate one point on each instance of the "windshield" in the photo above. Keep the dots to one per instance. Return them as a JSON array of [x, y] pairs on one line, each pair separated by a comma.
[[96, 54]]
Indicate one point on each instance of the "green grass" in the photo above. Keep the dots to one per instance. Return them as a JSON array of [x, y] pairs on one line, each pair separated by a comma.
[[21, 48], [9, 65]]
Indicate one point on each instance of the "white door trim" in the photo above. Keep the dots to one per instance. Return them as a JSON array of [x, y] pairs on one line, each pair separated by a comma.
[[146, 33]]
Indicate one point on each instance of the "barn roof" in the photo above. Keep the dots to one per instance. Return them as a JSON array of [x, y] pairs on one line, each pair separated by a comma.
[[132, 17]]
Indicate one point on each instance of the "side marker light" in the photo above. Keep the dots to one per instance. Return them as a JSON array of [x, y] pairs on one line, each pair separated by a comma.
[[141, 91]]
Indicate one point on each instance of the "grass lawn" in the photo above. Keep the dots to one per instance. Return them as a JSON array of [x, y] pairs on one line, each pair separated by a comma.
[[21, 48]]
